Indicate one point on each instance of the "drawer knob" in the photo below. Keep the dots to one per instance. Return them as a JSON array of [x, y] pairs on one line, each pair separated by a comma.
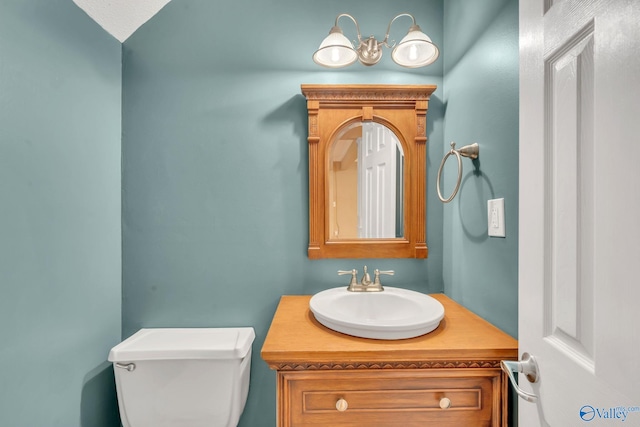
[[342, 405], [445, 403]]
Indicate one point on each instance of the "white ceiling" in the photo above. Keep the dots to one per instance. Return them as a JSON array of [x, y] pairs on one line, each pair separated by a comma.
[[121, 18]]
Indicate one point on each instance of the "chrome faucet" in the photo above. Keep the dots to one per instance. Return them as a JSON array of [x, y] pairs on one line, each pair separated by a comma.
[[365, 285], [366, 279]]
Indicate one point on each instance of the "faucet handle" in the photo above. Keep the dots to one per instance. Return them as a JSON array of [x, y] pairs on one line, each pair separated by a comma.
[[376, 280], [353, 273]]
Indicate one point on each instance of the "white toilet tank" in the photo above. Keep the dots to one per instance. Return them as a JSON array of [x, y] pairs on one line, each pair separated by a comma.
[[191, 377]]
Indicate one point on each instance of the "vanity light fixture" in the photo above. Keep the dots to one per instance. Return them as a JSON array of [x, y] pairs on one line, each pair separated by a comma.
[[415, 50]]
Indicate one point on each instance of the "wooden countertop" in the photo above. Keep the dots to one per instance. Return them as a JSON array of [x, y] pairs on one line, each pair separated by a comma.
[[297, 341]]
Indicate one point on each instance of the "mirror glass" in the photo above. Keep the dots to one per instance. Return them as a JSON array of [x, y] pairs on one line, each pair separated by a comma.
[[365, 193]]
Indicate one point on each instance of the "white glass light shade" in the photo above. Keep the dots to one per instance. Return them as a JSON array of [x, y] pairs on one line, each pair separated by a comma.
[[415, 50], [335, 51]]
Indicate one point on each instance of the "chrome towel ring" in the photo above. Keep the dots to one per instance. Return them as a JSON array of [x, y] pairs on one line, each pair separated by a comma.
[[470, 151]]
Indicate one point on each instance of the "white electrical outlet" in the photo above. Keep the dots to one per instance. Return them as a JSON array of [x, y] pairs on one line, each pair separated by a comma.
[[495, 216]]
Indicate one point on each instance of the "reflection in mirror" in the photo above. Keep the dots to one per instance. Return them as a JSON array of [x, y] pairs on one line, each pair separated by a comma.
[[366, 191]]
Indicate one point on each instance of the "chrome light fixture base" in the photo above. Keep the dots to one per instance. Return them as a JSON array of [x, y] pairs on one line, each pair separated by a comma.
[[369, 51]]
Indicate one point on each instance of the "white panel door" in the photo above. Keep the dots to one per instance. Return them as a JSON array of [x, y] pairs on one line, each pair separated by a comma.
[[579, 238], [377, 182]]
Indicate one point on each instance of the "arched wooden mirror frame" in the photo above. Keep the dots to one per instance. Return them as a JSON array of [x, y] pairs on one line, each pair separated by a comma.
[[402, 108]]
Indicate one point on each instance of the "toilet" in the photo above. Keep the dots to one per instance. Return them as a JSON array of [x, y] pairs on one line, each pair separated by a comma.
[[191, 377]]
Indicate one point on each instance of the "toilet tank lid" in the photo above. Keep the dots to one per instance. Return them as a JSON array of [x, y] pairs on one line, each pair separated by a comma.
[[184, 343]]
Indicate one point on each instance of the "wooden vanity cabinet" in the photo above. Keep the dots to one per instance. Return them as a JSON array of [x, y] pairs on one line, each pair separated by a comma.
[[450, 377]]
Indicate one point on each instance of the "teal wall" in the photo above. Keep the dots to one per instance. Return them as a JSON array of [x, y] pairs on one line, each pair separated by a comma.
[[215, 200], [60, 244], [481, 98]]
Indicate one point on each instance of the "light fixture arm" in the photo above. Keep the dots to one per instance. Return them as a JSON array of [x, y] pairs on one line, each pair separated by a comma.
[[386, 37], [369, 50], [354, 21]]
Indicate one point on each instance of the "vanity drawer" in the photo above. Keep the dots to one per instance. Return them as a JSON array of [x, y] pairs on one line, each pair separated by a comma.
[[407, 397]]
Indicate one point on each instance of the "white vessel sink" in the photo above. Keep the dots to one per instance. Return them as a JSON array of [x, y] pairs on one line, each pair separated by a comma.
[[392, 314]]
